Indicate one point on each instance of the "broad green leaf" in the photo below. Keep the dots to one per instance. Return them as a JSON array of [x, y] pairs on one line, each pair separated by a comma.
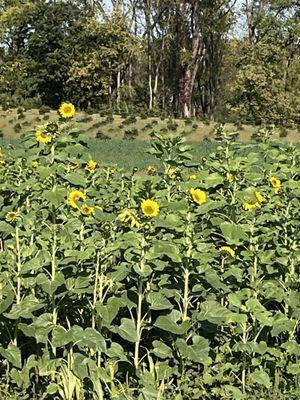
[[109, 311], [166, 323], [25, 308], [214, 312], [158, 301], [12, 354], [260, 377], [127, 330], [234, 234], [161, 350]]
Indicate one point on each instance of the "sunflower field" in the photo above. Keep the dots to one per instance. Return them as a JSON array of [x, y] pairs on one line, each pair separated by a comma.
[[182, 283]]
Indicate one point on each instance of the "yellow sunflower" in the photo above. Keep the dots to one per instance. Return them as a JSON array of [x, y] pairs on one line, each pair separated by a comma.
[[73, 166], [91, 166], [43, 137], [198, 195], [35, 164], [276, 183], [150, 208], [151, 169], [192, 177], [259, 197], [87, 210], [250, 206], [67, 110], [171, 172], [129, 218], [229, 177], [11, 216], [75, 196], [227, 250]]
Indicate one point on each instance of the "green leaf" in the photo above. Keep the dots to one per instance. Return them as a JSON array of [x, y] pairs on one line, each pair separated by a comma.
[[76, 179], [197, 352], [213, 312], [282, 324], [12, 354], [233, 233], [158, 301], [260, 377], [161, 350], [166, 323], [161, 249], [25, 308], [109, 311], [56, 197], [127, 330]]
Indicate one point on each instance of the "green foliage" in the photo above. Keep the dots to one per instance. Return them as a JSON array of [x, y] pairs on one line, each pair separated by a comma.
[[95, 307]]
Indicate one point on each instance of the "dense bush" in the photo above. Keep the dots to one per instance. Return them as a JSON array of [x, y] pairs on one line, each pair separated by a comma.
[[192, 295]]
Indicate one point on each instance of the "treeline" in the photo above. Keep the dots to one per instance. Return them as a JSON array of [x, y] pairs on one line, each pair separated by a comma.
[[215, 59]]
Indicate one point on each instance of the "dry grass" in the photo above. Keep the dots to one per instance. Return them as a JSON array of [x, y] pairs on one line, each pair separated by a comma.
[[92, 124]]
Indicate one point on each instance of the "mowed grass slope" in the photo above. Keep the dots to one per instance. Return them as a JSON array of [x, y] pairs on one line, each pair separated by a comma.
[[124, 140]]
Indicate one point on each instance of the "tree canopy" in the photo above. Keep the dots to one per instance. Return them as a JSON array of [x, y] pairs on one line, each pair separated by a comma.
[[216, 59]]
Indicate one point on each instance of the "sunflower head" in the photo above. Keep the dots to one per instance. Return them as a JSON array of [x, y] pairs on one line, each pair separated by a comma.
[[67, 110], [275, 182], [127, 217], [251, 206], [35, 164], [87, 210], [259, 197], [171, 172], [151, 169], [277, 190], [11, 216], [192, 177], [226, 250], [198, 196], [73, 166], [150, 208], [229, 177], [75, 196], [43, 137], [91, 166]]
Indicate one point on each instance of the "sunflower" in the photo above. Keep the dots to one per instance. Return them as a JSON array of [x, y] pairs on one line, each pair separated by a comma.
[[259, 197], [73, 166], [227, 250], [42, 136], [229, 177], [67, 110], [87, 210], [74, 196], [11, 216], [35, 164], [192, 177], [276, 183], [171, 172], [129, 218], [91, 166], [198, 195], [250, 206], [151, 169], [150, 208]]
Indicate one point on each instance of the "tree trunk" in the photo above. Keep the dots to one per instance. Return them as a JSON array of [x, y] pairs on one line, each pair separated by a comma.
[[190, 69]]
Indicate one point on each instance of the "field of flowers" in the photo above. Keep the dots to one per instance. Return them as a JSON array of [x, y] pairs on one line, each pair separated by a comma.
[[182, 283]]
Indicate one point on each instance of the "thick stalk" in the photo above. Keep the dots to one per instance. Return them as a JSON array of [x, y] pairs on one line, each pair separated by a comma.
[[186, 272], [139, 306], [53, 270], [138, 323]]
